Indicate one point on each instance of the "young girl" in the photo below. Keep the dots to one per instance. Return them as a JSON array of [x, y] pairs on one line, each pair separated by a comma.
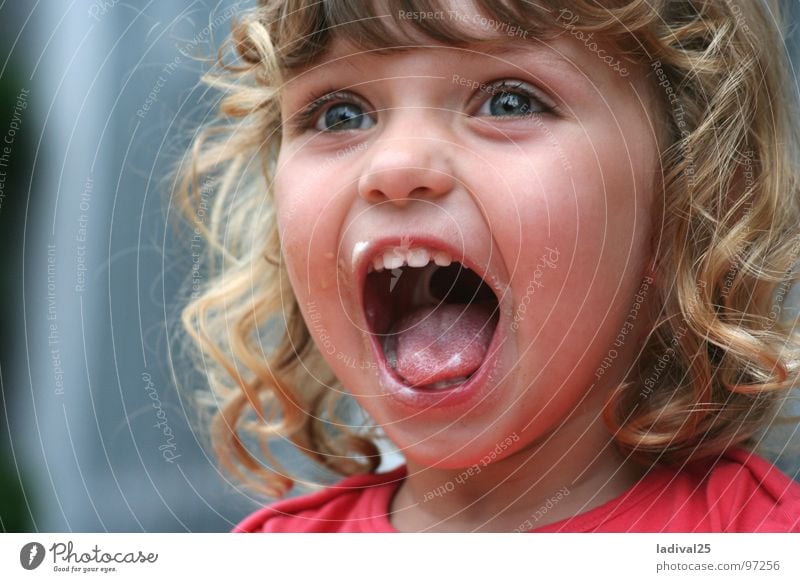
[[545, 247]]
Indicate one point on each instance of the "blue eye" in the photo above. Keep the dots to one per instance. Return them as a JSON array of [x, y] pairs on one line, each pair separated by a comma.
[[512, 99], [509, 104], [343, 116]]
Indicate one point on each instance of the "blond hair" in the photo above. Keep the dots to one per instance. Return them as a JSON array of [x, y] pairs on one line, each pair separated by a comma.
[[726, 241]]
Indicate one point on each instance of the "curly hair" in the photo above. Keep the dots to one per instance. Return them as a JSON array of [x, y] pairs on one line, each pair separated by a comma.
[[726, 238]]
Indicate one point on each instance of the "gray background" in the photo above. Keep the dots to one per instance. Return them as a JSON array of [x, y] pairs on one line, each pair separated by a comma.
[[89, 459]]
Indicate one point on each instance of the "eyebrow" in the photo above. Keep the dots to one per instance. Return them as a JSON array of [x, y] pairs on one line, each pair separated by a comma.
[[502, 48]]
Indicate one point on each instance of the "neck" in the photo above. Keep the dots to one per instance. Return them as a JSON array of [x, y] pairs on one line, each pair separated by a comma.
[[572, 470]]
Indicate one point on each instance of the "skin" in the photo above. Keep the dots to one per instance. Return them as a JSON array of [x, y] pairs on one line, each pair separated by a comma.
[[433, 158]]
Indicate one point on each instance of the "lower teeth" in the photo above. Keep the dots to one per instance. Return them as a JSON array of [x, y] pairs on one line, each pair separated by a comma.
[[446, 383]]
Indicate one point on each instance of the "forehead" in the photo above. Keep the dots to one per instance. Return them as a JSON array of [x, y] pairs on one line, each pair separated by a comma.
[[351, 31], [305, 36], [561, 48], [561, 59]]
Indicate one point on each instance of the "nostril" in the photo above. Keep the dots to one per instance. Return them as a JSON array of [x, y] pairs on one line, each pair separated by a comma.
[[421, 192]]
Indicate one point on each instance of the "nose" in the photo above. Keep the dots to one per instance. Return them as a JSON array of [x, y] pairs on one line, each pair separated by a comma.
[[404, 165]]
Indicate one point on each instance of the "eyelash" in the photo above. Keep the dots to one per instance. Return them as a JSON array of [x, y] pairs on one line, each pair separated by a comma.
[[520, 86], [305, 119]]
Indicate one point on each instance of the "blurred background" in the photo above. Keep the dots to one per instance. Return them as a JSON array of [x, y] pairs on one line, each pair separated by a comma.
[[98, 100]]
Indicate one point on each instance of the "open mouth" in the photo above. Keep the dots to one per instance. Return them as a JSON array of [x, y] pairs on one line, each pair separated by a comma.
[[433, 317]]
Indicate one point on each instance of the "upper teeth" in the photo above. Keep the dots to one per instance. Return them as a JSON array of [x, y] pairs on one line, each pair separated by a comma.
[[397, 257]]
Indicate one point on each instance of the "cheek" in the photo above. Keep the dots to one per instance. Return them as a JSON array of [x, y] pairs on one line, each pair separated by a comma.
[[581, 248], [290, 213], [306, 214], [591, 199]]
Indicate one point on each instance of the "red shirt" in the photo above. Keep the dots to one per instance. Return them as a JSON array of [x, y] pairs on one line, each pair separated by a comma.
[[741, 492]]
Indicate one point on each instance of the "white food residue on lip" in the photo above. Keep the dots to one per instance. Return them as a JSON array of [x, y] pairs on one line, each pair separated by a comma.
[[358, 249]]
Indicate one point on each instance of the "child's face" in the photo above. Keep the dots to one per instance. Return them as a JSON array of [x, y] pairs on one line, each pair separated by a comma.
[[440, 149]]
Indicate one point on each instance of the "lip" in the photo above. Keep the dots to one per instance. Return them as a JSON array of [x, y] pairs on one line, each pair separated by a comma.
[[481, 384]]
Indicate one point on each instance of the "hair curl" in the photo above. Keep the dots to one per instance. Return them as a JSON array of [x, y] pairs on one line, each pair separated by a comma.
[[727, 239]]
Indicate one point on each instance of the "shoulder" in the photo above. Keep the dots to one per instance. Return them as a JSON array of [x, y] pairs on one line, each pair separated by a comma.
[[736, 491], [747, 493], [358, 503]]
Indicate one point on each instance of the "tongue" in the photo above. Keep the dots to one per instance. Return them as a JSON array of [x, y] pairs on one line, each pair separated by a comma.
[[437, 344]]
